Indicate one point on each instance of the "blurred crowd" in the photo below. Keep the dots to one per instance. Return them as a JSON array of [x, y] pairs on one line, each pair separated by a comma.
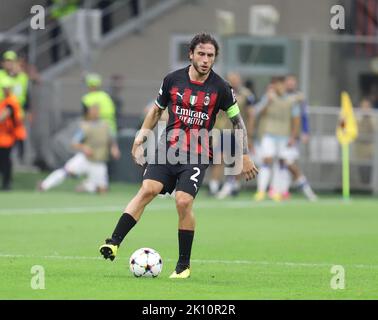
[[277, 125]]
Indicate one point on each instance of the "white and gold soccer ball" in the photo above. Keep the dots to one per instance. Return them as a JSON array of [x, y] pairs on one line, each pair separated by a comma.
[[146, 262]]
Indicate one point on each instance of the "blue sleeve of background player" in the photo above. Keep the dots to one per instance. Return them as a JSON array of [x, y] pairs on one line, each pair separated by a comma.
[[304, 118], [78, 136]]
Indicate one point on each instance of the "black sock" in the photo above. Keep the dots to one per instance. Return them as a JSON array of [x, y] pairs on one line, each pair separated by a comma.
[[124, 225], [185, 238]]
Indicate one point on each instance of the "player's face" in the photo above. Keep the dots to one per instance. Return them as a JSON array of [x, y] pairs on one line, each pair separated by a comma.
[[280, 88], [203, 58], [93, 113], [291, 83]]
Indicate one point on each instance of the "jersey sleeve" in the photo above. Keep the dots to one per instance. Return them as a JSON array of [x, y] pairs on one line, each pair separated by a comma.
[[164, 96], [229, 103], [304, 118], [78, 137], [296, 111]]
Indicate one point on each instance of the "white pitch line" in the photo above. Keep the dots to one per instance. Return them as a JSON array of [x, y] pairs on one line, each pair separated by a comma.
[[246, 262], [235, 204]]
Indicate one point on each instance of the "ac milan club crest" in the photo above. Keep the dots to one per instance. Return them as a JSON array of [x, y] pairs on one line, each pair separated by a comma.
[[206, 101]]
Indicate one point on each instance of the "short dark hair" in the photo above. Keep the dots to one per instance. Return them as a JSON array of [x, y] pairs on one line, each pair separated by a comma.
[[203, 38], [276, 79]]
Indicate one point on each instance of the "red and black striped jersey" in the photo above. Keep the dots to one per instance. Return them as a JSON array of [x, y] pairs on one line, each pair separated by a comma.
[[192, 108]]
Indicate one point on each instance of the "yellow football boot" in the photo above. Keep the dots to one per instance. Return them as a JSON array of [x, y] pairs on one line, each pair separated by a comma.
[[109, 250], [182, 275], [259, 196]]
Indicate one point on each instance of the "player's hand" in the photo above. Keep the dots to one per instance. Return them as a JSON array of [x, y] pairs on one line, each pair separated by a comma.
[[116, 154], [87, 151], [249, 169], [292, 142], [137, 153], [305, 138]]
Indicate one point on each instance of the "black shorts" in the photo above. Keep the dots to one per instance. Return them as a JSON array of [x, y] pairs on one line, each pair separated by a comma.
[[182, 177]]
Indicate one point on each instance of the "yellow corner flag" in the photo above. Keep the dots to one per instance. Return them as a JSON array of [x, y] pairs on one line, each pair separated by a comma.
[[346, 133], [347, 128]]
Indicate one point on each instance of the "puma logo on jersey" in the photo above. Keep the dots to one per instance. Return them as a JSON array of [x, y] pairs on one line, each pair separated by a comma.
[[179, 94], [195, 186]]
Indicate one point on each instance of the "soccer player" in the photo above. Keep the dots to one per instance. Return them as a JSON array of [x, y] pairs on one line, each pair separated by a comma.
[[193, 96], [245, 99], [94, 143], [280, 123], [292, 152]]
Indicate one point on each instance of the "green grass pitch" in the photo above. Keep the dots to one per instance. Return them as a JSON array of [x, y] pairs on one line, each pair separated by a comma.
[[242, 250]]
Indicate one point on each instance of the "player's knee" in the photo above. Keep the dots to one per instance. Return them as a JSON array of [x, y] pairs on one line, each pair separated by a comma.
[[268, 161], [183, 202], [149, 191], [282, 163]]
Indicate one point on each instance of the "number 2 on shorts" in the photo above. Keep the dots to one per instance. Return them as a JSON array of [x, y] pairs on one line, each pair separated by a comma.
[[196, 174]]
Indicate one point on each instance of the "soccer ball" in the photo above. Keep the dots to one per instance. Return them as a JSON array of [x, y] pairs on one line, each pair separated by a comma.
[[146, 262]]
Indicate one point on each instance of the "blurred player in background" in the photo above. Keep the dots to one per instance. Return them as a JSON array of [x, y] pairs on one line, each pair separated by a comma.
[[292, 153], [280, 125], [94, 143], [97, 96], [11, 129], [193, 96], [246, 99]]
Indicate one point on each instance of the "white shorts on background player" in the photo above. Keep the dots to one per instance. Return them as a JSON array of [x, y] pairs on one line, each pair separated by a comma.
[[274, 146], [256, 156], [96, 172], [291, 154]]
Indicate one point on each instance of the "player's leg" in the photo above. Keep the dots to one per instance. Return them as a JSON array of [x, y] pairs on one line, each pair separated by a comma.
[[74, 166], [216, 174], [300, 181], [280, 181], [156, 179], [298, 178], [97, 179], [268, 150], [190, 178], [231, 185], [186, 227], [281, 176], [215, 178], [132, 213]]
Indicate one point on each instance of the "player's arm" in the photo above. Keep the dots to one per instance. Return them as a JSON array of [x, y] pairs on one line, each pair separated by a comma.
[[78, 143], [114, 148], [149, 124], [238, 123], [150, 121], [249, 169], [295, 125], [250, 121]]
